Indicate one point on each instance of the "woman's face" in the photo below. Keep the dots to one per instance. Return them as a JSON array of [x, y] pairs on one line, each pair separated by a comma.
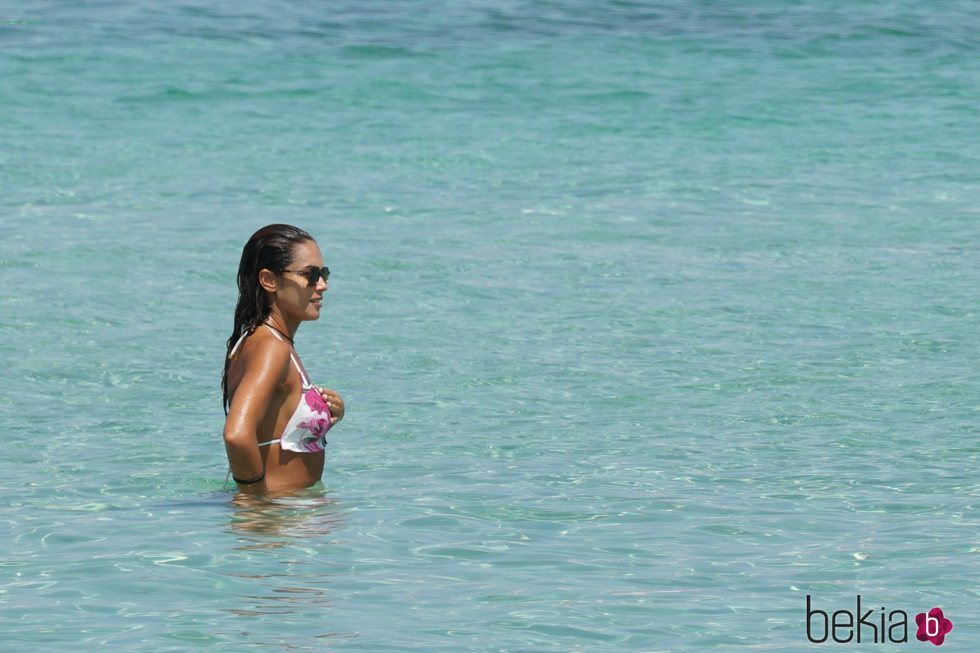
[[295, 296]]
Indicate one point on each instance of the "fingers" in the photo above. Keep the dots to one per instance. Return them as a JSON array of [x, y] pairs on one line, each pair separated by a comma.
[[334, 403]]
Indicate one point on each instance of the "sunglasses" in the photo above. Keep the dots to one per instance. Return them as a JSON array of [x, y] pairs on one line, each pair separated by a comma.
[[313, 274]]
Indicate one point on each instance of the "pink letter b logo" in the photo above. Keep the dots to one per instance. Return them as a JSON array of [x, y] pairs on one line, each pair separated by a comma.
[[933, 626]]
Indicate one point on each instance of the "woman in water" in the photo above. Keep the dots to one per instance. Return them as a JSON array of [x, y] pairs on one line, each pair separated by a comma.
[[276, 419]]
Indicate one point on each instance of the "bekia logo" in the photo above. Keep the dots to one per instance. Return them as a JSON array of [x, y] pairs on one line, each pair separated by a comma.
[[873, 626], [933, 626]]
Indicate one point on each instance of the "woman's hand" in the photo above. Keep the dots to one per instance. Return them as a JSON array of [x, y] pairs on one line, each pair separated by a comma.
[[334, 402]]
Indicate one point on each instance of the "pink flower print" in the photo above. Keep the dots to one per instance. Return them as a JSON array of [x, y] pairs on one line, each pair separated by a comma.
[[317, 426], [312, 443], [933, 626], [315, 401]]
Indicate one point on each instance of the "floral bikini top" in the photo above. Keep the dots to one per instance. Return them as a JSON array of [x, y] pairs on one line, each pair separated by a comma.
[[307, 427]]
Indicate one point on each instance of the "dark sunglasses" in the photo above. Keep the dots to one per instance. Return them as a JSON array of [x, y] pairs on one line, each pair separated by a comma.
[[313, 274]]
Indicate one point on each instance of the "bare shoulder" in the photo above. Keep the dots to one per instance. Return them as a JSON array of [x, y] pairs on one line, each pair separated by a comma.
[[265, 356]]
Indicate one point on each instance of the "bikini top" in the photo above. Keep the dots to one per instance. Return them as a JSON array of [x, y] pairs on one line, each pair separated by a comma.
[[307, 427]]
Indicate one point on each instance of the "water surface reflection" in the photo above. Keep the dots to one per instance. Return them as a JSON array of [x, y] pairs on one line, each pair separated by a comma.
[[285, 545], [277, 519]]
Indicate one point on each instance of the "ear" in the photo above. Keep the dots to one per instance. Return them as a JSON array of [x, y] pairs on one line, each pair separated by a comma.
[[268, 280]]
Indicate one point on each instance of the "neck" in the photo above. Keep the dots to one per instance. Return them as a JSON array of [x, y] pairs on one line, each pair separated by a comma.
[[284, 326]]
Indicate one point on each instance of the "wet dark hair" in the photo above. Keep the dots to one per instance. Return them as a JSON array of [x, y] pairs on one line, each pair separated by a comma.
[[270, 247]]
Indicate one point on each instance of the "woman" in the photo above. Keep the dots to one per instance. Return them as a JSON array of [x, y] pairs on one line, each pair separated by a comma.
[[276, 419]]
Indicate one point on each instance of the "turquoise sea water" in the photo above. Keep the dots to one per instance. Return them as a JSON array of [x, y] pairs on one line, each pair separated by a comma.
[[652, 319]]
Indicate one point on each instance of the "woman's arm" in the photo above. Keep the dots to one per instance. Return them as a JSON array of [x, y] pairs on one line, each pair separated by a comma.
[[265, 370]]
